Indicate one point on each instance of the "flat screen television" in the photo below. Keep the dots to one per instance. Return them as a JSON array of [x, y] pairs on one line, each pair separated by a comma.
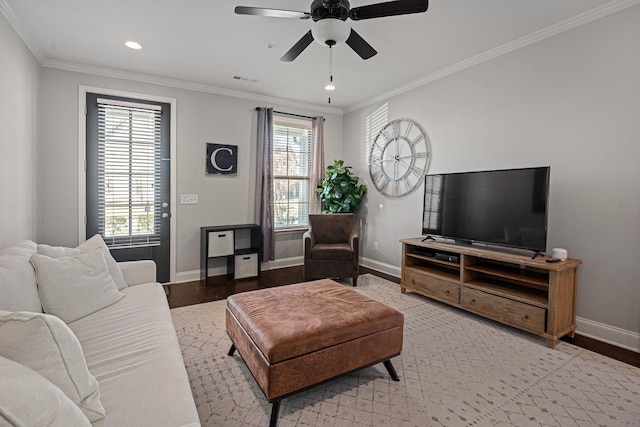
[[499, 207]]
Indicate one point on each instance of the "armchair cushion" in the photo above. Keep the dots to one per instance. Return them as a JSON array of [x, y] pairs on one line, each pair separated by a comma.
[[335, 251]]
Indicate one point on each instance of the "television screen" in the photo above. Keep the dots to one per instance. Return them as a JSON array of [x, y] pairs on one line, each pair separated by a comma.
[[500, 207]]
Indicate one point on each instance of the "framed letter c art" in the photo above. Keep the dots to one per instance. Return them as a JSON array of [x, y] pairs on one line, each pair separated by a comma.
[[222, 159]]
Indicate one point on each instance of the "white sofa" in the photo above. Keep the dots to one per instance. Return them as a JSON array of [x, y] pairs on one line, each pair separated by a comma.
[[129, 346]]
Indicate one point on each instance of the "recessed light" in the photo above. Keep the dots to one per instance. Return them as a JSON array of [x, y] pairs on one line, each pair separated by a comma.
[[330, 86], [133, 45]]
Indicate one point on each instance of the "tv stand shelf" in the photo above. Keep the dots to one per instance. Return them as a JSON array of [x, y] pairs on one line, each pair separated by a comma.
[[513, 289]]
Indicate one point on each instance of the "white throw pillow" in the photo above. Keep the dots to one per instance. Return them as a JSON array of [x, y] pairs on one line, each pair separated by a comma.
[[89, 245], [27, 399], [46, 345], [73, 287], [18, 290]]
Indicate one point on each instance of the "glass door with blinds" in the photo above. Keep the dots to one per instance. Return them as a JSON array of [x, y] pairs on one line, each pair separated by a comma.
[[128, 182]]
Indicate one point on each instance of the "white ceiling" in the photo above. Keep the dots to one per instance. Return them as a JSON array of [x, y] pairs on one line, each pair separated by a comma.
[[204, 44]]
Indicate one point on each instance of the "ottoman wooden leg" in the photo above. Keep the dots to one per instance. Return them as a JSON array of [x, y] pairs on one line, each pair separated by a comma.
[[232, 350], [275, 409], [391, 370]]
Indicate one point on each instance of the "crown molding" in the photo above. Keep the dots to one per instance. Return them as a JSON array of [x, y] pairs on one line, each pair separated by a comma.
[[179, 84], [19, 29], [569, 24]]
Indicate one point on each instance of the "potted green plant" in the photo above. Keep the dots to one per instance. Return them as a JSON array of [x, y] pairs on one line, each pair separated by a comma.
[[340, 191]]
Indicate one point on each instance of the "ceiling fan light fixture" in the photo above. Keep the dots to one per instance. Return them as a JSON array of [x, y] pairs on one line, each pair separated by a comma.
[[330, 31], [133, 45]]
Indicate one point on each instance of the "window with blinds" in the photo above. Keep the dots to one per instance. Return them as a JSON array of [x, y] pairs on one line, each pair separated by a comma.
[[374, 122], [291, 167], [129, 167]]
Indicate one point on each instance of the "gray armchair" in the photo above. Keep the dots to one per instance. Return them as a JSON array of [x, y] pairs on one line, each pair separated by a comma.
[[331, 247]]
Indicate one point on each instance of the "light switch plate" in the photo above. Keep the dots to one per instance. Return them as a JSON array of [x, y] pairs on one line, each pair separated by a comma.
[[188, 199]]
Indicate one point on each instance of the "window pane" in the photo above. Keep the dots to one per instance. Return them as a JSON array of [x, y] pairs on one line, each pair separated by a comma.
[[291, 202]]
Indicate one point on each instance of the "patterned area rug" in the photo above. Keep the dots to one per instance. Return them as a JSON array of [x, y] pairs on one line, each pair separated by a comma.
[[456, 369]]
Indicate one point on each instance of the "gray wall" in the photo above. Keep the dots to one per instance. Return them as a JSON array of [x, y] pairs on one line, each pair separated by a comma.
[[201, 118], [19, 76], [572, 102]]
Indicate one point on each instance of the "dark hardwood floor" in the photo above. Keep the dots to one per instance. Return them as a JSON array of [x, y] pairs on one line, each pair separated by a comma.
[[219, 288]]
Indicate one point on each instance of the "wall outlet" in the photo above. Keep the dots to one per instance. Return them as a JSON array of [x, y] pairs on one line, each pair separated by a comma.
[[375, 246], [188, 199]]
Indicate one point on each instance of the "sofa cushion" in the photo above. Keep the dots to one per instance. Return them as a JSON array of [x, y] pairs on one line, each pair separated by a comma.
[[46, 345], [89, 245], [132, 349], [18, 290], [27, 399], [72, 287]]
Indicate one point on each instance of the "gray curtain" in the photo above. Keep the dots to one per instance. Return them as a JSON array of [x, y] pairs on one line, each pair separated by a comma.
[[264, 182], [317, 166]]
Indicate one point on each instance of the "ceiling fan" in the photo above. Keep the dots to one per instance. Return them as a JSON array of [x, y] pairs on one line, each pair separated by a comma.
[[329, 22]]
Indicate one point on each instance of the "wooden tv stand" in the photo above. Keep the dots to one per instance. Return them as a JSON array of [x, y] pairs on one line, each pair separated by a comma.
[[530, 294]]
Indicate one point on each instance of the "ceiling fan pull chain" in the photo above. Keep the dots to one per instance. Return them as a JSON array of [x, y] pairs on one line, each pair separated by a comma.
[[330, 64]]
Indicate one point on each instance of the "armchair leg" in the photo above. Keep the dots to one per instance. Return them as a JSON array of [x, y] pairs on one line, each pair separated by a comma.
[[355, 280]]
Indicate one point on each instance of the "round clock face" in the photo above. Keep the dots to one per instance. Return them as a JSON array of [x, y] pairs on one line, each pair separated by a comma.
[[399, 157]]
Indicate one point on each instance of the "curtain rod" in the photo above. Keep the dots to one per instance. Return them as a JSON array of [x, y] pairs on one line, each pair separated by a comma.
[[290, 114]]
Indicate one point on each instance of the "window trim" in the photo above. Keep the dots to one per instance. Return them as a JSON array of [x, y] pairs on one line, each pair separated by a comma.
[[82, 164]]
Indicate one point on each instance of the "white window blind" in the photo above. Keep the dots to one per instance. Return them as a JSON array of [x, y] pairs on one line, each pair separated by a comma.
[[291, 167], [129, 160], [374, 122]]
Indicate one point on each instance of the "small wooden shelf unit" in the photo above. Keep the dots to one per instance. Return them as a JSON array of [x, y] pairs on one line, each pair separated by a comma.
[[530, 294], [240, 244]]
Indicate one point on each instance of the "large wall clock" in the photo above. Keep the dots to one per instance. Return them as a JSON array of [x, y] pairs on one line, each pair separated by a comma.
[[399, 157]]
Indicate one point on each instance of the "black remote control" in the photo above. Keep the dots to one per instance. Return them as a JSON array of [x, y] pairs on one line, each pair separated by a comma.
[[553, 260]]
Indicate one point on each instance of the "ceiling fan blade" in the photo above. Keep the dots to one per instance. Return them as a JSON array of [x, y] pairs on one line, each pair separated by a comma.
[[298, 47], [360, 46], [390, 8], [272, 13]]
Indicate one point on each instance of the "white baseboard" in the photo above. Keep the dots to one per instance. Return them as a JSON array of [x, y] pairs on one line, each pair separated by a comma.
[[187, 276], [381, 267], [610, 334], [599, 331], [194, 275], [283, 262]]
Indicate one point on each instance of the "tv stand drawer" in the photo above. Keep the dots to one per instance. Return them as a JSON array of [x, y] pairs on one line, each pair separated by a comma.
[[432, 287], [504, 310]]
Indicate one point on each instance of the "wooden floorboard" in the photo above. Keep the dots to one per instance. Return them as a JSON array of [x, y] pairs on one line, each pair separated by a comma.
[[219, 288]]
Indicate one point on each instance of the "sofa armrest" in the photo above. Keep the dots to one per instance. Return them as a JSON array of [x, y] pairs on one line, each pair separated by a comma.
[[138, 272]]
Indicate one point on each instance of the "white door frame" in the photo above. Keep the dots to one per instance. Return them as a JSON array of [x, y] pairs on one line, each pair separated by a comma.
[[82, 162]]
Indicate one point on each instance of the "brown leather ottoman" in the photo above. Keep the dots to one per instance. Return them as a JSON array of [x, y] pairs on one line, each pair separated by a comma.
[[297, 336]]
